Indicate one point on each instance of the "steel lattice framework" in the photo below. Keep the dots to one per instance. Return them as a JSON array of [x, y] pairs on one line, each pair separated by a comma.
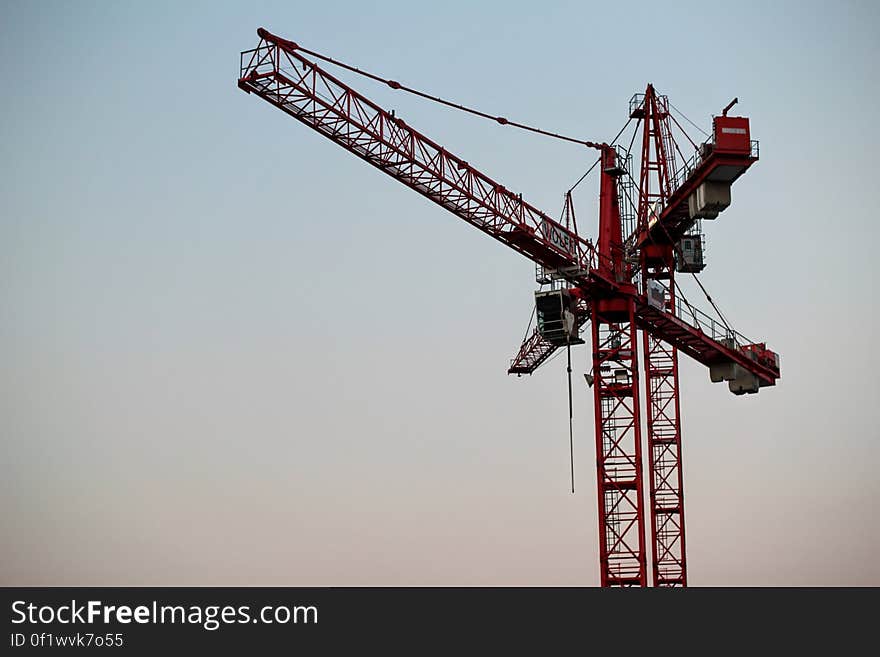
[[624, 284], [669, 566], [664, 448], [618, 448]]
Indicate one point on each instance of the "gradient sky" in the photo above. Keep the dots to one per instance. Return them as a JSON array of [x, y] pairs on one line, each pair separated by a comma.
[[233, 353]]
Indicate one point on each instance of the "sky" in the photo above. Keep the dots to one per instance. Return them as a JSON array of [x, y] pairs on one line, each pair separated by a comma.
[[235, 354]]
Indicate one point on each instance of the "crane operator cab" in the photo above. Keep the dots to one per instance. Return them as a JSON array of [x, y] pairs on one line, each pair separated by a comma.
[[689, 254], [557, 318]]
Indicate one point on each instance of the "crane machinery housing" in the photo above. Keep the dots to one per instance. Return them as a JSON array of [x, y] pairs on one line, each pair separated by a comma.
[[623, 286]]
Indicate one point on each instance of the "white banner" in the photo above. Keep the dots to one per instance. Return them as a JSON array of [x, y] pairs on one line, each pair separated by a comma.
[[559, 237]]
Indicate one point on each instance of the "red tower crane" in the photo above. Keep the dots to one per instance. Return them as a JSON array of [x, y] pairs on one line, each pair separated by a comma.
[[622, 285]]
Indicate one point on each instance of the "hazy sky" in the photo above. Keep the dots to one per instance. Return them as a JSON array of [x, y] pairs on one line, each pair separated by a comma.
[[233, 353]]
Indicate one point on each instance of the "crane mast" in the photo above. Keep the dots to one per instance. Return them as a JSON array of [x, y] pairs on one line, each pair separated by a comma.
[[623, 284], [662, 402]]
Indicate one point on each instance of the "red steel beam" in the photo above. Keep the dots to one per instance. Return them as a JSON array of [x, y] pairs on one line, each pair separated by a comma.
[[662, 401], [535, 350], [695, 342], [666, 484], [674, 219], [618, 444]]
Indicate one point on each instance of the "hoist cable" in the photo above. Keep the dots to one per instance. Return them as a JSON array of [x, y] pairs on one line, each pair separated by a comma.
[[531, 318], [401, 87], [581, 179], [677, 247], [684, 133], [688, 120], [709, 299], [613, 141], [570, 417]]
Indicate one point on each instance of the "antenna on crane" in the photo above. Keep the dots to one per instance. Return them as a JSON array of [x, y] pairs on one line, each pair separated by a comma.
[[729, 105]]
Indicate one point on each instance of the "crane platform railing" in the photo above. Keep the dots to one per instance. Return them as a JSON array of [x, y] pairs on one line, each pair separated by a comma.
[[714, 328], [672, 220], [695, 339], [687, 169]]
